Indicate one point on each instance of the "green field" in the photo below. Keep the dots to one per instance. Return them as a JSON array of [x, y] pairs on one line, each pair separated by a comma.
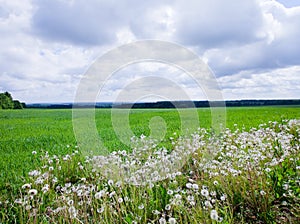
[[41, 130], [24, 131]]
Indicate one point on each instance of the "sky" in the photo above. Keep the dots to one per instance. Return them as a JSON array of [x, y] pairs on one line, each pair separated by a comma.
[[251, 46]]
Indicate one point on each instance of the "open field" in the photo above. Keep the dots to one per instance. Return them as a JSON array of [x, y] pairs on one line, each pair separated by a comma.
[[24, 131]]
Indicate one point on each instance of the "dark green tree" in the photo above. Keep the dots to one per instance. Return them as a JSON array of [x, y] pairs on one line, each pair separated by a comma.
[[17, 104], [7, 102]]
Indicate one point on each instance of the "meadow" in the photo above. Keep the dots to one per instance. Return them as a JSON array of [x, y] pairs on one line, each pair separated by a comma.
[[252, 177]]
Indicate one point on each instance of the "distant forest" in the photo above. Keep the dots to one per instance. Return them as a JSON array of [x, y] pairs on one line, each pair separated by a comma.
[[169, 104], [7, 102]]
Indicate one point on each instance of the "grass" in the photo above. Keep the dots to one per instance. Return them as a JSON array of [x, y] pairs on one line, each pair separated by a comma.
[[22, 132]]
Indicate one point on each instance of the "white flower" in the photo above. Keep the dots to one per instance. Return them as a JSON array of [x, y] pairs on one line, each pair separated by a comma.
[[262, 192], [32, 192], [110, 182], [178, 196], [162, 220], [45, 188], [189, 185], [120, 200], [156, 212], [172, 220], [205, 192], [100, 210], [70, 202], [169, 192], [19, 201], [168, 207], [207, 204], [214, 215], [195, 186], [34, 173], [34, 152], [141, 206], [223, 197], [284, 203], [26, 186], [99, 194], [190, 198], [73, 212], [268, 169]]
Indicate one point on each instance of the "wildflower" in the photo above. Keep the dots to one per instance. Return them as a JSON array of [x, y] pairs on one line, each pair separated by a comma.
[[26, 186], [32, 192], [110, 182], [162, 220], [205, 192], [214, 215], [169, 192], [100, 210], [223, 197], [168, 207], [195, 186], [178, 196], [189, 185], [18, 201], [72, 211], [34, 152], [45, 188], [172, 220], [112, 194], [284, 203], [141, 206], [34, 173], [216, 182], [120, 200], [262, 192], [207, 204], [268, 169], [70, 202], [99, 194], [156, 212]]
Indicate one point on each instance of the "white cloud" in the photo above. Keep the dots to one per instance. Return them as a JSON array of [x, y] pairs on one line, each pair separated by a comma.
[[217, 23], [278, 83]]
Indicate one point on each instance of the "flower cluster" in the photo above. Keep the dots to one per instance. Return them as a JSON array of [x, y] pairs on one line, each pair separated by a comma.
[[233, 177]]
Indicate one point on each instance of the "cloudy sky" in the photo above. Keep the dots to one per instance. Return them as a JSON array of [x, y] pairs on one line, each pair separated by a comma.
[[252, 46]]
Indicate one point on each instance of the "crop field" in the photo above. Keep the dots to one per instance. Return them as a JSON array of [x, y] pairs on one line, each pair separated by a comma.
[[249, 173]]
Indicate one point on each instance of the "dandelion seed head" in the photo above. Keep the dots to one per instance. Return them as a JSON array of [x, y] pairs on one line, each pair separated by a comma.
[[32, 192], [162, 220], [204, 192], [172, 220], [214, 215]]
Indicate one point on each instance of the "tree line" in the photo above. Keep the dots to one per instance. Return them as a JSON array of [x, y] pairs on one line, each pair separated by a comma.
[[7, 102]]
